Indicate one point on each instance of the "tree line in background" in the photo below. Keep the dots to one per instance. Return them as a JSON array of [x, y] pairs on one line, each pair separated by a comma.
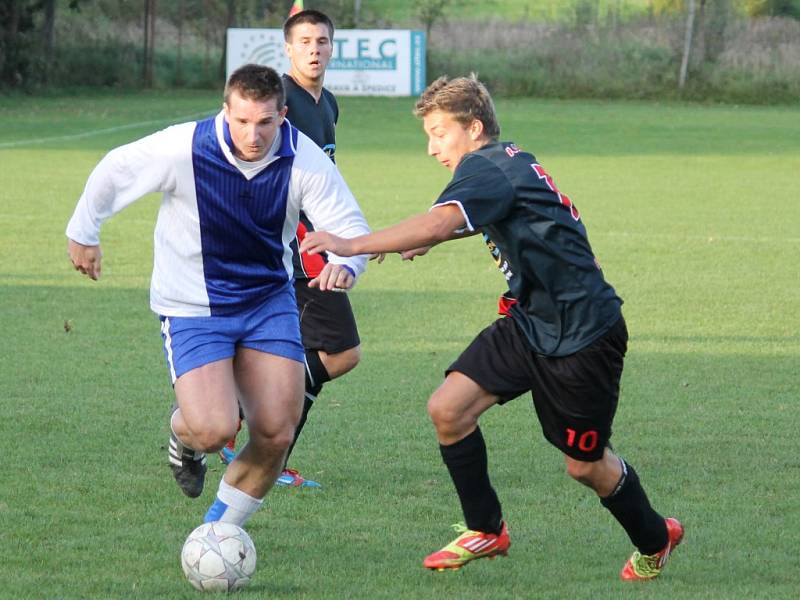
[[705, 50], [730, 50], [118, 42]]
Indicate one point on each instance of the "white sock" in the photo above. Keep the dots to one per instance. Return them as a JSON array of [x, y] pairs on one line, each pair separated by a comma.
[[239, 506]]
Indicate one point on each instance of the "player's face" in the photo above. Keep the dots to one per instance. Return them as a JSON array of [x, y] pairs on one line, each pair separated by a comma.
[[253, 125], [449, 140], [309, 49]]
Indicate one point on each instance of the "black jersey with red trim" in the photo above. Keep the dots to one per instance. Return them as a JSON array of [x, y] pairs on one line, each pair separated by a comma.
[[318, 121], [557, 293]]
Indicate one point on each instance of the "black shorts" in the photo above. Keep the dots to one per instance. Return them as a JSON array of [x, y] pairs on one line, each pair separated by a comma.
[[327, 322], [575, 396]]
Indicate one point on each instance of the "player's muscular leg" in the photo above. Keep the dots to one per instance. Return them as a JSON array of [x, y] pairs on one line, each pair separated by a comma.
[[207, 415], [271, 389], [455, 407], [602, 476], [340, 363]]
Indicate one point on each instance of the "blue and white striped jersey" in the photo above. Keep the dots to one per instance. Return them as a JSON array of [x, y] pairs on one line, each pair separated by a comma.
[[224, 227]]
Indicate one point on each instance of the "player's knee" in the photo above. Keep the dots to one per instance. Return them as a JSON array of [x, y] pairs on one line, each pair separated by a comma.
[[350, 359], [273, 440], [343, 362], [444, 413], [281, 442], [213, 436]]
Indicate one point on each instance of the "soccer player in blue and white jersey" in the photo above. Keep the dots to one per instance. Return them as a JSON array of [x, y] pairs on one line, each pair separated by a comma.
[[233, 186], [327, 324], [563, 337]]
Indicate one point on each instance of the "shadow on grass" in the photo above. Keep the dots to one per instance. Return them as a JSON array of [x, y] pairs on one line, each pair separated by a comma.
[[713, 437]]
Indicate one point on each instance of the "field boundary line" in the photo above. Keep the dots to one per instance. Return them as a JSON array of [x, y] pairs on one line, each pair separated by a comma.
[[94, 132]]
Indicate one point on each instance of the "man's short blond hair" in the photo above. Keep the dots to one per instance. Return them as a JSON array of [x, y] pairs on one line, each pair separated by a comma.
[[464, 98]]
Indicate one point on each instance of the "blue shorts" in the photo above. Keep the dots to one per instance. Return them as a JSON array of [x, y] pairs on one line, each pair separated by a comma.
[[272, 326]]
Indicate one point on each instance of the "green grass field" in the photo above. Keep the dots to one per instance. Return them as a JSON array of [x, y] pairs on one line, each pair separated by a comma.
[[692, 211]]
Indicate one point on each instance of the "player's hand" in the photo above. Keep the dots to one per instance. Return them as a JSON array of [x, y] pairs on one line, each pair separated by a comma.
[[380, 256], [85, 259], [333, 278], [322, 241], [410, 254]]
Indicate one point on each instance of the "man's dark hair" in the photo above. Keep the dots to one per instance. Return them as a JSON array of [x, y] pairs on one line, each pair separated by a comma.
[[256, 82], [307, 16]]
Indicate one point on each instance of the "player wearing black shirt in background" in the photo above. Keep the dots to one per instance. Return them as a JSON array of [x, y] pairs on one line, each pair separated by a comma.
[[563, 338], [316, 117], [327, 323]]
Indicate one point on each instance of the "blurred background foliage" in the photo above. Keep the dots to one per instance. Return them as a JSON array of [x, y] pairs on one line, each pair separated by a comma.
[[710, 50]]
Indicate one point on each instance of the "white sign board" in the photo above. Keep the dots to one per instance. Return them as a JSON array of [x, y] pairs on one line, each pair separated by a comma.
[[365, 62]]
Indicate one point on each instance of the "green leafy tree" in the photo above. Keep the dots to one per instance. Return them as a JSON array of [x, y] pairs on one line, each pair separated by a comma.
[[431, 12], [668, 7], [773, 8], [17, 21], [27, 39], [585, 12]]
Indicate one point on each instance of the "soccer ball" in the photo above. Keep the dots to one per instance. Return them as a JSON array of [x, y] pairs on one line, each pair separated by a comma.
[[218, 557]]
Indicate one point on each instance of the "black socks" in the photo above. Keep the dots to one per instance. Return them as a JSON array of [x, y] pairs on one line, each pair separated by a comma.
[[467, 463], [307, 404], [316, 374], [630, 506]]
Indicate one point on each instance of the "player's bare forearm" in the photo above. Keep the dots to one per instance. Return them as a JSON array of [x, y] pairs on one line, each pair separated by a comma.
[[413, 253], [427, 229]]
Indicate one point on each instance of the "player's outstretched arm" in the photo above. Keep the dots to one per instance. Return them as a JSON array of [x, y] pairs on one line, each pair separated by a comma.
[[86, 259], [428, 229]]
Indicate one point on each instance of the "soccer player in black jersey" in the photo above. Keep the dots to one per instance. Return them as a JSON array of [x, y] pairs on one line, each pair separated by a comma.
[[562, 337], [327, 323]]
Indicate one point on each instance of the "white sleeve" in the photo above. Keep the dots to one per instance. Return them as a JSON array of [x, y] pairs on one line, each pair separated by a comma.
[[126, 174], [326, 200]]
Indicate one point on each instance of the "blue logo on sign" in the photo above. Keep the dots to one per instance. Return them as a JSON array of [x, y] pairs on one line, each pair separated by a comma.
[[361, 55]]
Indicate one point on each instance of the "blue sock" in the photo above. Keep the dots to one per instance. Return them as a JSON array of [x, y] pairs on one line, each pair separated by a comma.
[[232, 505], [215, 511]]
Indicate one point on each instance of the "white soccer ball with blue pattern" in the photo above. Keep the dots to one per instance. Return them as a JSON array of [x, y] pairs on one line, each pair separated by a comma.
[[218, 557]]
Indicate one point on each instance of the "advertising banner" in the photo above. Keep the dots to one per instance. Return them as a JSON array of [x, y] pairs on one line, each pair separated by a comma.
[[365, 62]]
